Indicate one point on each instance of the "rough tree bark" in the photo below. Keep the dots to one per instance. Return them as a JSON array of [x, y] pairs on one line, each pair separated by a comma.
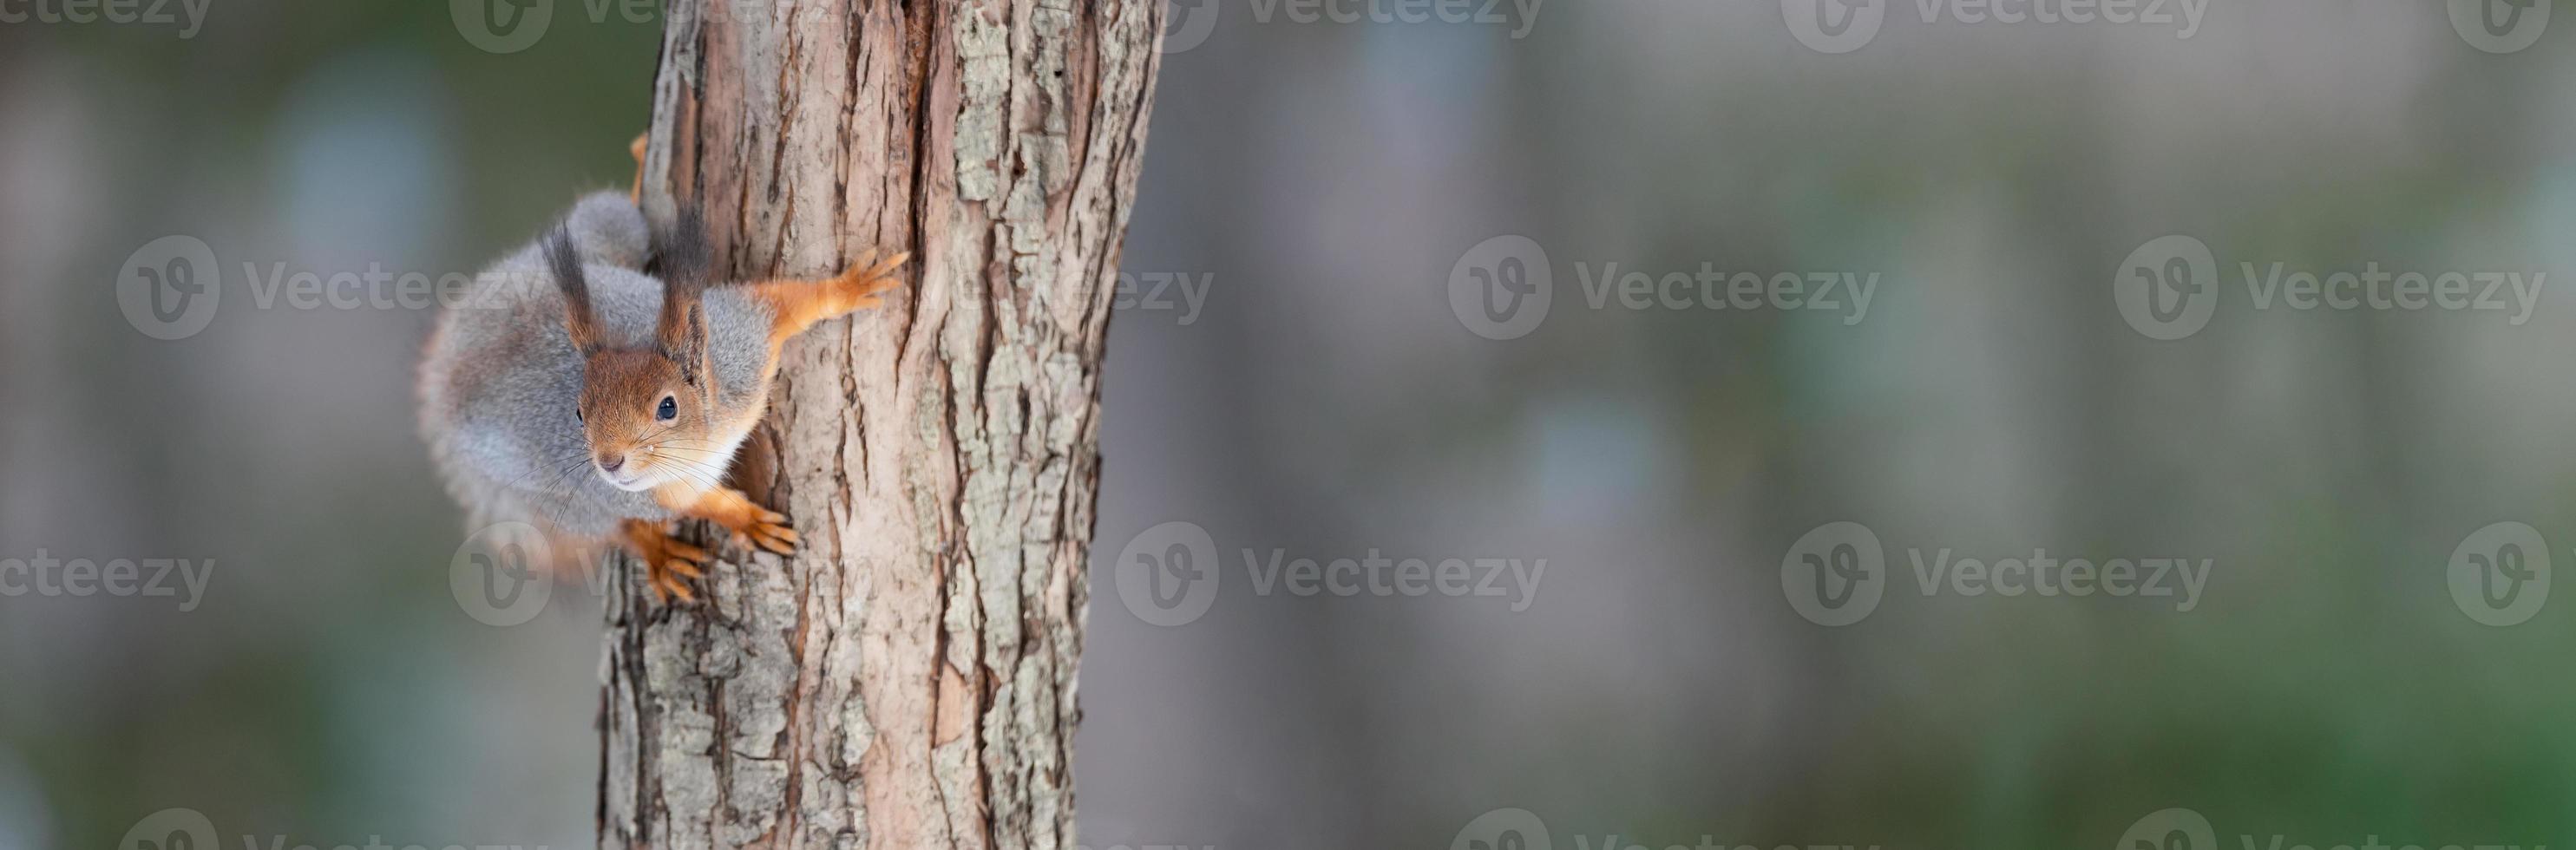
[[907, 679]]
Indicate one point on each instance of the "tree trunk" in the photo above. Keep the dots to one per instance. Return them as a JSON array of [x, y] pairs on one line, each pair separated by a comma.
[[906, 680]]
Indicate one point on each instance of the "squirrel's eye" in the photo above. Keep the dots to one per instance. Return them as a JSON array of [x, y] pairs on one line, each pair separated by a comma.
[[577, 417], [668, 411]]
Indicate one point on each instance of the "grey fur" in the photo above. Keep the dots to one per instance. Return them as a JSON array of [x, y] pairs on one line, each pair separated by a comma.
[[500, 380]]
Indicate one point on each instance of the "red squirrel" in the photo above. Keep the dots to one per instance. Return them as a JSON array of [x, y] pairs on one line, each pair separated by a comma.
[[601, 402]]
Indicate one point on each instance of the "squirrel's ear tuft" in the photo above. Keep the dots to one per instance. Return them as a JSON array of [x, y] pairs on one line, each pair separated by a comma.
[[565, 262], [681, 252], [686, 266]]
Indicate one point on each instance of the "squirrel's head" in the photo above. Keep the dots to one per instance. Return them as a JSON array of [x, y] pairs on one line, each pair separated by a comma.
[[647, 411]]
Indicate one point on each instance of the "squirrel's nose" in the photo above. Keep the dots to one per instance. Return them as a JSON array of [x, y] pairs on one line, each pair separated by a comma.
[[612, 463]]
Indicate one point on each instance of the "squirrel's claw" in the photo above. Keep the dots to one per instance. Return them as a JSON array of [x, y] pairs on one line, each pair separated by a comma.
[[768, 530], [752, 526], [868, 277], [668, 563], [670, 574], [667, 585], [686, 560]]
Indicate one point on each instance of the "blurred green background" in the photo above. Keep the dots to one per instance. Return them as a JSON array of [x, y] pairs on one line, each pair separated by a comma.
[[1328, 181]]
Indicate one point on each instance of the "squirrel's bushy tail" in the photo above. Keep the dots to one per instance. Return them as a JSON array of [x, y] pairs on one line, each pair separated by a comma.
[[607, 228]]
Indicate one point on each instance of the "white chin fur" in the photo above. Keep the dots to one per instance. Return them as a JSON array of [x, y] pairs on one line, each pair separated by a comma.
[[639, 484]]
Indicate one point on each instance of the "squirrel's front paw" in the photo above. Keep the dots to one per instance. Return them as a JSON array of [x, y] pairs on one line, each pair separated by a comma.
[[766, 529], [668, 563], [751, 524], [857, 287]]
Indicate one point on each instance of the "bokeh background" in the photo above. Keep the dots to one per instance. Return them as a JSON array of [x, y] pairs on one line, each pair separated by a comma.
[[1325, 180]]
